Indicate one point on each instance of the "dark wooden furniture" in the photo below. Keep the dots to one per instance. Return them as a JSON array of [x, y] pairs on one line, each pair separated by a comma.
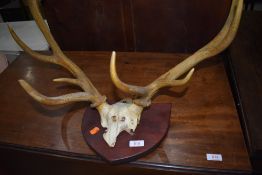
[[35, 139], [178, 26], [246, 62], [13, 11], [251, 4]]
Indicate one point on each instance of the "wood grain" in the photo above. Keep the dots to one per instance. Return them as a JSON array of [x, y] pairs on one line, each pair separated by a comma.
[[203, 116], [135, 25]]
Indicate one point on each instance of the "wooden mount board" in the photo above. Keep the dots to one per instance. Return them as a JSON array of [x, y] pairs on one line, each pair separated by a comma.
[[152, 129]]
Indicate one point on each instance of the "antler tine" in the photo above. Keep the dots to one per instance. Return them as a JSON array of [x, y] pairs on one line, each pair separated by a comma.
[[63, 99], [90, 94], [34, 8], [45, 58], [214, 47], [134, 90]]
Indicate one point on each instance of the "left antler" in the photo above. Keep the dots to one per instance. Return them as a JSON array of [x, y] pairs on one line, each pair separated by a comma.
[[116, 118], [91, 94], [214, 47]]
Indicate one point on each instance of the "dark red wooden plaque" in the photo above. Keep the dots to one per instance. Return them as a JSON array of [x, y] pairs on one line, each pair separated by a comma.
[[152, 129]]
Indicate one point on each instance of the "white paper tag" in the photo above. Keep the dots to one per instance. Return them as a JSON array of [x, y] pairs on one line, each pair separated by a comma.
[[136, 143], [214, 157]]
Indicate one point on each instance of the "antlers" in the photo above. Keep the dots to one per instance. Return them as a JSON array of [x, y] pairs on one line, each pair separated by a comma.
[[214, 47], [122, 116], [143, 94], [90, 92]]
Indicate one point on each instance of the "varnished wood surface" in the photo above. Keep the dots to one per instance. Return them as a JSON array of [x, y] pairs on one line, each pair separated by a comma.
[[135, 25], [203, 116]]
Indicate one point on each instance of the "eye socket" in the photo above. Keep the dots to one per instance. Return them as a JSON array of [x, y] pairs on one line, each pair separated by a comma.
[[123, 119], [126, 101], [114, 118], [132, 122]]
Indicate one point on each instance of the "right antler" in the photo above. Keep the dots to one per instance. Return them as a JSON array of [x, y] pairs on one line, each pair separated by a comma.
[[91, 94], [217, 45]]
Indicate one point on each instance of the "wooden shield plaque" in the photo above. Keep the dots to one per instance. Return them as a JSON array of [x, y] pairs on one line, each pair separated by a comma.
[[152, 129]]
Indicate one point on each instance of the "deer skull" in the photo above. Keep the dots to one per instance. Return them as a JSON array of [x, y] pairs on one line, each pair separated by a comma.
[[121, 116]]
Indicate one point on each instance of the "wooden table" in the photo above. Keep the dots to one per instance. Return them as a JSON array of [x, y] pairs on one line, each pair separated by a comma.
[[36, 139]]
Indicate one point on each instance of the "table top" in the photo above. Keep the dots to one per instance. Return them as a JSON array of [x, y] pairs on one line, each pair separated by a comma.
[[203, 118]]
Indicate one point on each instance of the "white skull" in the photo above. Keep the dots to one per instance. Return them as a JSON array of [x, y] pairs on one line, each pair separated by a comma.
[[121, 116]]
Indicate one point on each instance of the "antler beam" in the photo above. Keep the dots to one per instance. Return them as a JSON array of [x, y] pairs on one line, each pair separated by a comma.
[[214, 47]]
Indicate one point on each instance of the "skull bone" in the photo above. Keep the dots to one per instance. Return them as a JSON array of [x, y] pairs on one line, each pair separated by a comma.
[[121, 116]]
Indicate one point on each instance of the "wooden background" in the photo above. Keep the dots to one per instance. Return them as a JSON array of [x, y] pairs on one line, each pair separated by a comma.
[[135, 25]]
